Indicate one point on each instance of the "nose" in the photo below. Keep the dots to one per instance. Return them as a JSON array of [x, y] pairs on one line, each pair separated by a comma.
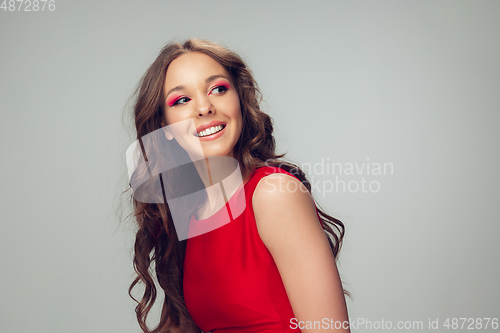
[[204, 107]]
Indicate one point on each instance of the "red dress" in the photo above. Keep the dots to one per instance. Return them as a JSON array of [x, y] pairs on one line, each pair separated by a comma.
[[231, 283]]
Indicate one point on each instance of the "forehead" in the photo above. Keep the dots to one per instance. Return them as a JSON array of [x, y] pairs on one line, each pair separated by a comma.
[[191, 68]]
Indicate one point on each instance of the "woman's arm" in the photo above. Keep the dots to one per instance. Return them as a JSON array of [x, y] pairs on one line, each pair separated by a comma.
[[286, 219]]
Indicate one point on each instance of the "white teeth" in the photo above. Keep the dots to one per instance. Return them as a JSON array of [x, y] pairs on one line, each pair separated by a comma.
[[210, 130]]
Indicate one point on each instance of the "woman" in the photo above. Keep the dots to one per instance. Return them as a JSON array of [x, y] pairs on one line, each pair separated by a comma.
[[266, 266]]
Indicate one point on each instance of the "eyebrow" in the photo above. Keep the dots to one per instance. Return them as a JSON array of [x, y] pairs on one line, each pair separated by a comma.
[[209, 79], [213, 77]]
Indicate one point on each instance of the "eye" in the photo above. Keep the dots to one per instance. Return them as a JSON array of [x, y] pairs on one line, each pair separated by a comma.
[[219, 90], [180, 101]]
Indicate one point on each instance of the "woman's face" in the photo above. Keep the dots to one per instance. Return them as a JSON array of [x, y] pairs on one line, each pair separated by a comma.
[[202, 107]]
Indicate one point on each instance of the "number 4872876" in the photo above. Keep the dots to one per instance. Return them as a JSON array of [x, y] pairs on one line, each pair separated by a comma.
[[28, 5]]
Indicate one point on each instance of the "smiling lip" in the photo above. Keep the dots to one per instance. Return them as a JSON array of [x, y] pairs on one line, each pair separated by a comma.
[[212, 136], [208, 125]]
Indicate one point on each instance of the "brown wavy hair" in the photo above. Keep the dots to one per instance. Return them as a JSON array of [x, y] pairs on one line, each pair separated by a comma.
[[157, 248]]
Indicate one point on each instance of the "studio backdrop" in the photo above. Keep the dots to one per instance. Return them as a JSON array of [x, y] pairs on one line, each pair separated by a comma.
[[392, 109]]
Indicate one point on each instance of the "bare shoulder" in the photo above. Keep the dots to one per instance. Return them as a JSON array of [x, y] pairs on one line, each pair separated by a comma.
[[281, 189], [289, 227], [283, 206]]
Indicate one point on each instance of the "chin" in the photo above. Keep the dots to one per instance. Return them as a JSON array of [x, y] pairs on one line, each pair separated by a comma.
[[217, 152]]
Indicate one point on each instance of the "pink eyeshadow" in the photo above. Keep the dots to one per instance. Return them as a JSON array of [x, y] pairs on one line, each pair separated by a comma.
[[172, 99], [223, 83]]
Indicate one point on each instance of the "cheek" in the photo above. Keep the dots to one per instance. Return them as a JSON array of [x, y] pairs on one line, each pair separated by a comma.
[[238, 120], [173, 116], [238, 116], [167, 116], [236, 108]]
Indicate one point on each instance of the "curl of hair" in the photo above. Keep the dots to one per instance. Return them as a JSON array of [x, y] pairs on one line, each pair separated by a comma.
[[157, 247]]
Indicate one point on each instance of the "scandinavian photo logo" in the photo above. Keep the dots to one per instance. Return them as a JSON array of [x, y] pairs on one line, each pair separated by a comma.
[[327, 177]]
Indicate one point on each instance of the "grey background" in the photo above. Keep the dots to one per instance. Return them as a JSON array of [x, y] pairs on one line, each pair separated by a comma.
[[412, 83]]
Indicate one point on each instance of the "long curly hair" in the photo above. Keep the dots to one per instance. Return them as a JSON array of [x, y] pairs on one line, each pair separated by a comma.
[[157, 248]]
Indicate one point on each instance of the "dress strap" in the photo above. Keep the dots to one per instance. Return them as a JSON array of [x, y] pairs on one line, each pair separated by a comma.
[[260, 173]]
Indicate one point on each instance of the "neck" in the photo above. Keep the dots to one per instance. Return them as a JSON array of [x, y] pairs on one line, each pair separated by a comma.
[[222, 177]]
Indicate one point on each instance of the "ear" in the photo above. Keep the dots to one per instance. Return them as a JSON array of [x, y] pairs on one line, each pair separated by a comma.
[[168, 133]]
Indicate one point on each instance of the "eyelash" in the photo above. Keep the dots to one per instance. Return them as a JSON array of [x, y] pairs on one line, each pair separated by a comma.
[[224, 87], [176, 102], [179, 99]]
